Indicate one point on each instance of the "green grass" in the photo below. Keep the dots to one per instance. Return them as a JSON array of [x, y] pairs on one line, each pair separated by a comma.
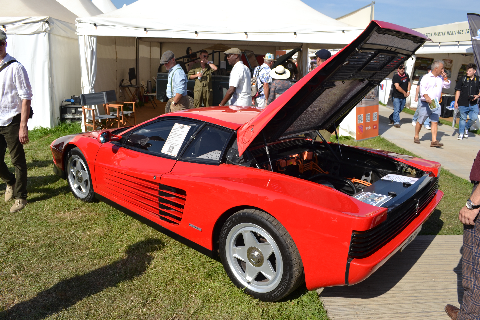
[[444, 220], [61, 258]]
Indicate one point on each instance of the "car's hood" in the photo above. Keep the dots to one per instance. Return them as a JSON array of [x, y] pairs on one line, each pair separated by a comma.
[[322, 98]]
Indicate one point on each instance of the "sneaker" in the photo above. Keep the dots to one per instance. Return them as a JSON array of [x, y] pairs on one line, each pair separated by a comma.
[[466, 133], [18, 205], [460, 137], [414, 123], [428, 127], [9, 193]]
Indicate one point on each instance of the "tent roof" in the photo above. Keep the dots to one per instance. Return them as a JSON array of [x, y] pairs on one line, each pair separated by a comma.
[[235, 22], [81, 8], [35, 8], [104, 5]]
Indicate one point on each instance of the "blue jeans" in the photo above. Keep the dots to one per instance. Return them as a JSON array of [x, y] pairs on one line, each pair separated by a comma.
[[472, 112], [415, 116], [398, 105]]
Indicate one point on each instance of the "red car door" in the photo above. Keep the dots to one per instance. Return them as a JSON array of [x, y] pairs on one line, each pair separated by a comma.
[[129, 172]]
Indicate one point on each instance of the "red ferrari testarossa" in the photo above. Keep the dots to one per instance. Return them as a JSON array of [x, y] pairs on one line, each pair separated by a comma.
[[263, 190]]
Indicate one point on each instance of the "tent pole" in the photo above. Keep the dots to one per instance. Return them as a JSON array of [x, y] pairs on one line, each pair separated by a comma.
[[137, 62]]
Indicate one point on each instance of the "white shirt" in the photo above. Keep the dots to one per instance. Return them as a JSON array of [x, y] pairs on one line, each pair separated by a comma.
[[240, 78], [432, 86], [14, 87]]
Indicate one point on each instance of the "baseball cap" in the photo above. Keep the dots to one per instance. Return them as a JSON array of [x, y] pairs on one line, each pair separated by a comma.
[[3, 35], [233, 51], [269, 56], [166, 56], [323, 54]]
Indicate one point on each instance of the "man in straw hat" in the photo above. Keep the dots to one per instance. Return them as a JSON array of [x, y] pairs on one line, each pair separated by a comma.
[[280, 82], [15, 97], [176, 85], [239, 92]]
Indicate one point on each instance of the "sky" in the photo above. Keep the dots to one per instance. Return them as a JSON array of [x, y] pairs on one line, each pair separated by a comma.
[[407, 13]]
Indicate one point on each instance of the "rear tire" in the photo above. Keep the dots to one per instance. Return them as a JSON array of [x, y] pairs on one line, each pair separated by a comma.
[[259, 255], [78, 176]]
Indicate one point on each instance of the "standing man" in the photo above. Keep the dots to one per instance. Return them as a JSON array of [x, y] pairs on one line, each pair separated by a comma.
[[401, 91], [202, 73], [262, 74], [419, 104], [15, 99], [176, 85], [322, 56], [470, 308], [467, 92], [430, 89], [239, 92]]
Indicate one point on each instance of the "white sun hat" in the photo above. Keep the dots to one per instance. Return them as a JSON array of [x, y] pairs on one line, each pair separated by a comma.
[[280, 73]]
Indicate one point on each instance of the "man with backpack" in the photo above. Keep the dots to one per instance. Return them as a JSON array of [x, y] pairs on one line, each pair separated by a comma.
[[262, 80], [467, 92], [15, 99]]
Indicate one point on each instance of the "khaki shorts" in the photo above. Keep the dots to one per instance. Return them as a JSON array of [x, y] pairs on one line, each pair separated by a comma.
[[183, 103]]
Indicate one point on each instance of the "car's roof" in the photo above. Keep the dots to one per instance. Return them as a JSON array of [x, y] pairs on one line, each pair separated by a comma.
[[229, 117]]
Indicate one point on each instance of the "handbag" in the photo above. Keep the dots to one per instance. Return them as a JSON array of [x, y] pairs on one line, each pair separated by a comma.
[[6, 65]]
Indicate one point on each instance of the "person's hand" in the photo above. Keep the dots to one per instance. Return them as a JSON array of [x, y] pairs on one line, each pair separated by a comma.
[[467, 216], [199, 74], [416, 99], [427, 99], [475, 97], [444, 75], [455, 105], [406, 94], [23, 135]]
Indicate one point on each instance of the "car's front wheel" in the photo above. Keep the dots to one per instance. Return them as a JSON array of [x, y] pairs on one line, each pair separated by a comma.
[[259, 255], [78, 176]]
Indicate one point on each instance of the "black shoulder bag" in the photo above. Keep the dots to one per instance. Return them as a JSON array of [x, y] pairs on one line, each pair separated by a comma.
[[6, 65]]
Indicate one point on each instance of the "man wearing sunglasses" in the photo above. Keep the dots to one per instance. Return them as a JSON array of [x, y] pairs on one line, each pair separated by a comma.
[[401, 91], [15, 99], [202, 73]]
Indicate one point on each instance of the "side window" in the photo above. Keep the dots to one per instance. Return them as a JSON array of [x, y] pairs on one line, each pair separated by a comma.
[[208, 145], [164, 137]]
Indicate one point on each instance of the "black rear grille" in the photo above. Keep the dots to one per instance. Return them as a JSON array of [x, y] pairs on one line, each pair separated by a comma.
[[365, 243]]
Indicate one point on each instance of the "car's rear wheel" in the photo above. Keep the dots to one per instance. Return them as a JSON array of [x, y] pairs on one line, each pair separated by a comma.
[[78, 176], [259, 255]]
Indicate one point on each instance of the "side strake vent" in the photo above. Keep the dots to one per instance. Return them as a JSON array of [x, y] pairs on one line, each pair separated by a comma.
[[171, 202]]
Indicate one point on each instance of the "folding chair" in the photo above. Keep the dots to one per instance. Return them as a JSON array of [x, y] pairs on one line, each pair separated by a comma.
[[124, 113], [91, 116]]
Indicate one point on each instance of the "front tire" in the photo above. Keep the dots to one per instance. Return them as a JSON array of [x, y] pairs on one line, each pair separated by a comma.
[[78, 176], [259, 255]]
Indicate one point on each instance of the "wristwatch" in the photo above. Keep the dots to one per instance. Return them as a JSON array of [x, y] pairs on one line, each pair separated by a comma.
[[471, 206]]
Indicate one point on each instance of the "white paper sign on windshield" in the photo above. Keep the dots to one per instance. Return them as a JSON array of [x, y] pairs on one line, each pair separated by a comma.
[[175, 139]]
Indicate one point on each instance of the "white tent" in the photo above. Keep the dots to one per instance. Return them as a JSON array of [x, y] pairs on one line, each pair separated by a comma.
[[104, 5], [81, 8], [41, 36], [361, 17], [140, 32]]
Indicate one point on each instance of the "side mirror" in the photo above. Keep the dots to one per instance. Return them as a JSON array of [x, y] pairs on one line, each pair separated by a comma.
[[106, 136]]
